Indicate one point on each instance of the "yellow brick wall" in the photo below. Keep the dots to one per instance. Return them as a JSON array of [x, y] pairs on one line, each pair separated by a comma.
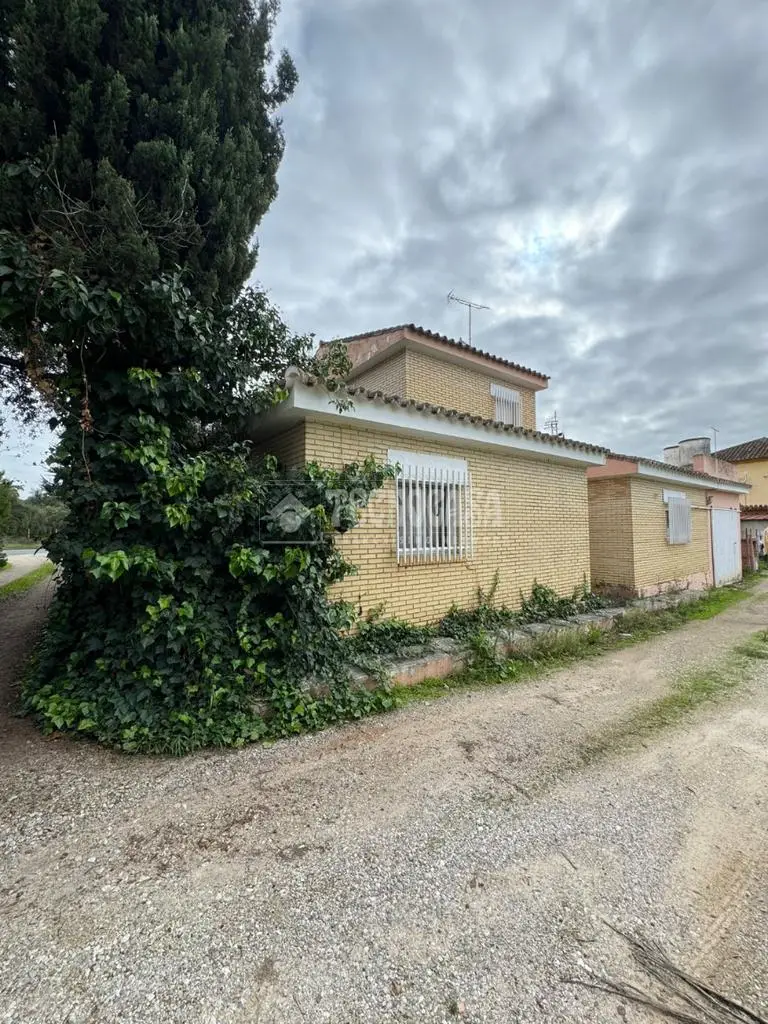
[[530, 521], [459, 387], [656, 561], [388, 376], [610, 532], [288, 446], [755, 473]]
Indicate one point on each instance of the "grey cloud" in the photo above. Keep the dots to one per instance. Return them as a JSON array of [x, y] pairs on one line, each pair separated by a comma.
[[594, 170]]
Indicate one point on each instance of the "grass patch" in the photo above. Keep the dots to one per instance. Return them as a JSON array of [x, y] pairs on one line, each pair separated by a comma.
[[25, 583], [689, 692], [486, 666]]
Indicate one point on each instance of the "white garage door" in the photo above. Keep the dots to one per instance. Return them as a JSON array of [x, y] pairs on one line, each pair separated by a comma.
[[726, 545]]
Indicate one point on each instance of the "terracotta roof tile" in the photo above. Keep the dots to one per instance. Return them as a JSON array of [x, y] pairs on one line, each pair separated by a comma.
[[446, 341], [556, 441], [674, 469], [745, 452], [754, 511]]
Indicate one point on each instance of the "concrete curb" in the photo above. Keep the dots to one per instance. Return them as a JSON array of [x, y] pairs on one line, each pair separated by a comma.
[[450, 657]]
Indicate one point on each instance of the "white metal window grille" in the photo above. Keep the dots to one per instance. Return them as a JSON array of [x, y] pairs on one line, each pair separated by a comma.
[[434, 508], [679, 527], [509, 406]]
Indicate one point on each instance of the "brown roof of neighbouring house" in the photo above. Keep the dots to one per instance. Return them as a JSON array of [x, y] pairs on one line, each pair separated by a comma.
[[745, 452], [556, 440], [754, 512], [674, 469], [446, 341]]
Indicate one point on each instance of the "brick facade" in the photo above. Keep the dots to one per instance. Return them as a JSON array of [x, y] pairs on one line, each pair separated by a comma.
[[289, 447], [628, 537], [427, 378], [390, 376], [530, 522], [658, 563], [610, 533]]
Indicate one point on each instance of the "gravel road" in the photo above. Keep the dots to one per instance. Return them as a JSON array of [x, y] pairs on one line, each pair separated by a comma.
[[20, 564], [454, 860]]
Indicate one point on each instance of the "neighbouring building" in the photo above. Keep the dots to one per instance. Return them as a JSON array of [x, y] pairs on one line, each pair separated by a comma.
[[656, 526], [479, 492], [751, 460], [754, 522]]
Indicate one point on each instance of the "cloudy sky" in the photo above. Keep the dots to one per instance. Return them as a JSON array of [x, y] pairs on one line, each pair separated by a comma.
[[595, 171]]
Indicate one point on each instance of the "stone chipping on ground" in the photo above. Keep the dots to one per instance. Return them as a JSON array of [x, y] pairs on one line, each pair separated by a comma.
[[451, 861]]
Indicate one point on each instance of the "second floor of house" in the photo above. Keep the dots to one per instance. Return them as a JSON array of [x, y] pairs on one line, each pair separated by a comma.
[[418, 364]]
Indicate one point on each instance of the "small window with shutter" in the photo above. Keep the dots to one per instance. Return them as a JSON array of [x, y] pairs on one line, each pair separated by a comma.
[[679, 526], [509, 405]]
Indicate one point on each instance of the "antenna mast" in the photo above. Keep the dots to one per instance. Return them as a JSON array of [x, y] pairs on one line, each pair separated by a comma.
[[470, 306], [552, 425]]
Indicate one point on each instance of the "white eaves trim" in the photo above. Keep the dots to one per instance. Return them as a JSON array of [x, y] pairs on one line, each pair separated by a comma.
[[654, 473], [306, 401]]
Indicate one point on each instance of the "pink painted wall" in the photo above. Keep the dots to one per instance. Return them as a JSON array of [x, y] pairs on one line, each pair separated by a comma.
[[722, 499], [697, 581], [612, 467], [716, 467]]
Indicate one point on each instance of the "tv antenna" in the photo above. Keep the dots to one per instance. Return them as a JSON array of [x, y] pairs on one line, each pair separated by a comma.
[[715, 432], [552, 425], [470, 306]]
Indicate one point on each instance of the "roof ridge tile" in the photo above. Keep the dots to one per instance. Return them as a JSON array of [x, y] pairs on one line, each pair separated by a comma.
[[463, 345]]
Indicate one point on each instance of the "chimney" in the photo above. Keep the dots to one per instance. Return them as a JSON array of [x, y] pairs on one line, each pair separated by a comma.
[[672, 454], [691, 447]]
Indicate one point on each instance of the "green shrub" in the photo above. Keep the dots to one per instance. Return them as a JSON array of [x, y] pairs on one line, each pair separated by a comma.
[[463, 623], [379, 637], [544, 603]]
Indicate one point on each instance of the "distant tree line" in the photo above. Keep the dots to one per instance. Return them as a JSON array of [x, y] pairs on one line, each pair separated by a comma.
[[30, 519]]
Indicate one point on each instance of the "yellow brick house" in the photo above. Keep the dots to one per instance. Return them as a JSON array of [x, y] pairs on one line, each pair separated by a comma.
[[751, 459], [655, 526], [479, 490]]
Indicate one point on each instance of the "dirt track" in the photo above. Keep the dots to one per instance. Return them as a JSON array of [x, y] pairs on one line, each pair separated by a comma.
[[452, 858]]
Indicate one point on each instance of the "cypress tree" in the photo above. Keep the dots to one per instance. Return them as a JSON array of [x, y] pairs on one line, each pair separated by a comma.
[[152, 131], [139, 144]]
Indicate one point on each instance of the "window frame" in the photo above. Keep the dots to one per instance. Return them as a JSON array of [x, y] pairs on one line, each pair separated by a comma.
[[433, 508], [507, 398], [675, 500]]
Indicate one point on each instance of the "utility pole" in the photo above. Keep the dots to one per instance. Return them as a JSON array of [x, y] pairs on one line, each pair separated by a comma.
[[470, 306]]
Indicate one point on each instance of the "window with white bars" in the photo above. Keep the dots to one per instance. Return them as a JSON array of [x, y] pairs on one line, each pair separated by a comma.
[[679, 526], [434, 508], [509, 405]]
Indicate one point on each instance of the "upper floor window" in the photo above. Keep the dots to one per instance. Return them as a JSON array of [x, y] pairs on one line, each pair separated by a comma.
[[509, 405], [678, 516], [434, 507]]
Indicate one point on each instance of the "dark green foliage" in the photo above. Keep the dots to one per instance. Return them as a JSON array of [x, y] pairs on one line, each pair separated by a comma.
[[139, 148], [151, 128], [544, 603], [33, 519], [219, 634], [464, 623], [186, 615], [379, 637], [8, 495]]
